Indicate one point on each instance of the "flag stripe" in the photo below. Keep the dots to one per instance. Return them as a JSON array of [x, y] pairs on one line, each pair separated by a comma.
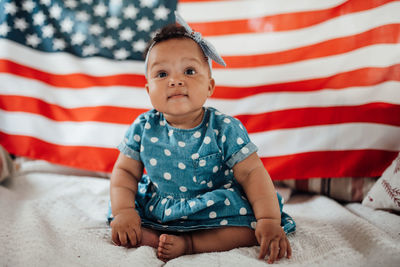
[[283, 22]]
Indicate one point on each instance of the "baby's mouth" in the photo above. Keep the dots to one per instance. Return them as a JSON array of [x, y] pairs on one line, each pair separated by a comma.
[[178, 95]]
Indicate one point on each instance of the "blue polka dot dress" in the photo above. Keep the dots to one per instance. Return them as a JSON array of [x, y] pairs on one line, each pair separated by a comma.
[[189, 182]]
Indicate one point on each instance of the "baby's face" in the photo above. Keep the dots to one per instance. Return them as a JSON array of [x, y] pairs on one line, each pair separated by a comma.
[[179, 80]]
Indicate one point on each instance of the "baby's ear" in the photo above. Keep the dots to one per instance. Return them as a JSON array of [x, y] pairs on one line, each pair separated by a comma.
[[147, 87], [211, 87]]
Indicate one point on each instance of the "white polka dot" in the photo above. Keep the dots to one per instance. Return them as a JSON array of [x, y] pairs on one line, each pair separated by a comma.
[[170, 197], [223, 139], [226, 172], [167, 176], [242, 211], [245, 150], [253, 225], [197, 134], [241, 126], [207, 140], [181, 166], [147, 126], [181, 144], [195, 156], [170, 133], [231, 189], [210, 203], [167, 152], [228, 185], [194, 179], [143, 190], [223, 222], [227, 202], [215, 169], [218, 113], [210, 184], [227, 120], [213, 214], [141, 148], [216, 132], [164, 201], [136, 138], [184, 217], [153, 162], [239, 141], [168, 212], [202, 182], [162, 123], [153, 195], [202, 163], [192, 204], [183, 189], [154, 139], [151, 208]]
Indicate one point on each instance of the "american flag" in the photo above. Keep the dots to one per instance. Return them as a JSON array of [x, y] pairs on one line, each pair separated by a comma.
[[316, 83]]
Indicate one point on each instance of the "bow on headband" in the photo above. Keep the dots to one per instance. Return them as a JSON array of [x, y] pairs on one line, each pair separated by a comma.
[[208, 49]]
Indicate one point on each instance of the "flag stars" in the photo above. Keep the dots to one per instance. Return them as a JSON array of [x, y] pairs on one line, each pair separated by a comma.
[[67, 25], [45, 2], [95, 29], [71, 4], [55, 11], [113, 22], [10, 8], [139, 45], [161, 13], [39, 18], [130, 12], [121, 54], [33, 40], [89, 50], [82, 16], [147, 3], [59, 44], [144, 24], [78, 38], [100, 10], [107, 42], [20, 24], [28, 6], [4, 29], [126, 34], [48, 31]]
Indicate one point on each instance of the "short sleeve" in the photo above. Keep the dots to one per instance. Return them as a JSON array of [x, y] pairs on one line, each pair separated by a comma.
[[131, 144], [236, 142]]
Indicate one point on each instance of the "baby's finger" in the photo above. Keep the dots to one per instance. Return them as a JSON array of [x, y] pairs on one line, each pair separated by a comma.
[[283, 248], [289, 249], [263, 247], [274, 250], [123, 239], [133, 238], [114, 237]]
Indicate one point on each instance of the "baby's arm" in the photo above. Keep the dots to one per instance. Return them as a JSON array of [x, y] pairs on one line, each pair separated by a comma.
[[260, 191], [126, 229]]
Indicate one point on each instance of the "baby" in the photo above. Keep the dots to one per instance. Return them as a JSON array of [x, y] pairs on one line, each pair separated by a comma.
[[205, 188]]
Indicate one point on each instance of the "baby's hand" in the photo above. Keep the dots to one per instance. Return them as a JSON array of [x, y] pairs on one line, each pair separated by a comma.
[[126, 229], [272, 240]]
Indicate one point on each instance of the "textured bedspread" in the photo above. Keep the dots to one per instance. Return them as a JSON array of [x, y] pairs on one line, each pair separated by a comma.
[[52, 219]]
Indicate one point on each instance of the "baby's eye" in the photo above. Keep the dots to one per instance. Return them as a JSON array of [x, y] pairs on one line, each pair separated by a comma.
[[161, 74], [190, 71]]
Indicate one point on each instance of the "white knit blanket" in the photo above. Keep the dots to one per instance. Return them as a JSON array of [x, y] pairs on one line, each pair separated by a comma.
[[52, 219]]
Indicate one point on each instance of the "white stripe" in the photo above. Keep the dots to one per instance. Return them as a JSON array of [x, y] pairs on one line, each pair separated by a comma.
[[95, 134], [382, 55], [65, 97], [242, 9], [64, 63], [327, 137], [346, 25], [388, 92]]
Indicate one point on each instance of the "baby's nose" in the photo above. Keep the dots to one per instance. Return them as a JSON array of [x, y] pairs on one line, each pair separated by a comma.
[[175, 82]]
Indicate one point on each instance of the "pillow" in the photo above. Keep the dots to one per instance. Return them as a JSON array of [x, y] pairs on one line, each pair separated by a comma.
[[385, 194], [346, 189]]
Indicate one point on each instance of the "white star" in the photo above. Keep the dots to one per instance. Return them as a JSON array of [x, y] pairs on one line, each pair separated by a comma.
[[10, 8], [28, 6], [48, 31], [89, 50], [55, 11], [4, 29], [45, 2], [39, 18], [95, 29], [147, 3], [139, 45], [107, 42], [130, 12], [70, 3], [78, 38], [32, 40], [89, 2], [20, 24], [161, 12], [59, 44], [113, 22], [126, 34], [100, 10], [144, 24], [67, 25], [121, 54], [82, 16]]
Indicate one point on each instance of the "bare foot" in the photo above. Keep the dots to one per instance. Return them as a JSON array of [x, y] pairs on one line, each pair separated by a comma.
[[173, 246], [149, 238]]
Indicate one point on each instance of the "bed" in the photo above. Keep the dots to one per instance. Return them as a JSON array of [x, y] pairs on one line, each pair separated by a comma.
[[56, 216]]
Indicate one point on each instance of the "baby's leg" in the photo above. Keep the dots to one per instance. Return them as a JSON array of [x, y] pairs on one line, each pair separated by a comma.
[[220, 239], [149, 238]]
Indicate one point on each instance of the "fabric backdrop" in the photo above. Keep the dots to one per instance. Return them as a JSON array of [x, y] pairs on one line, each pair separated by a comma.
[[316, 83]]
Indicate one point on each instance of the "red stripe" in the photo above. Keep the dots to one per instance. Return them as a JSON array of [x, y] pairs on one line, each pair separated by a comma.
[[383, 113], [387, 34], [74, 80], [352, 163], [89, 158], [283, 22], [54, 112], [361, 77]]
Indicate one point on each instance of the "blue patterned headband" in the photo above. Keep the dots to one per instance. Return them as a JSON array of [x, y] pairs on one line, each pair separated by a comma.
[[208, 49]]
